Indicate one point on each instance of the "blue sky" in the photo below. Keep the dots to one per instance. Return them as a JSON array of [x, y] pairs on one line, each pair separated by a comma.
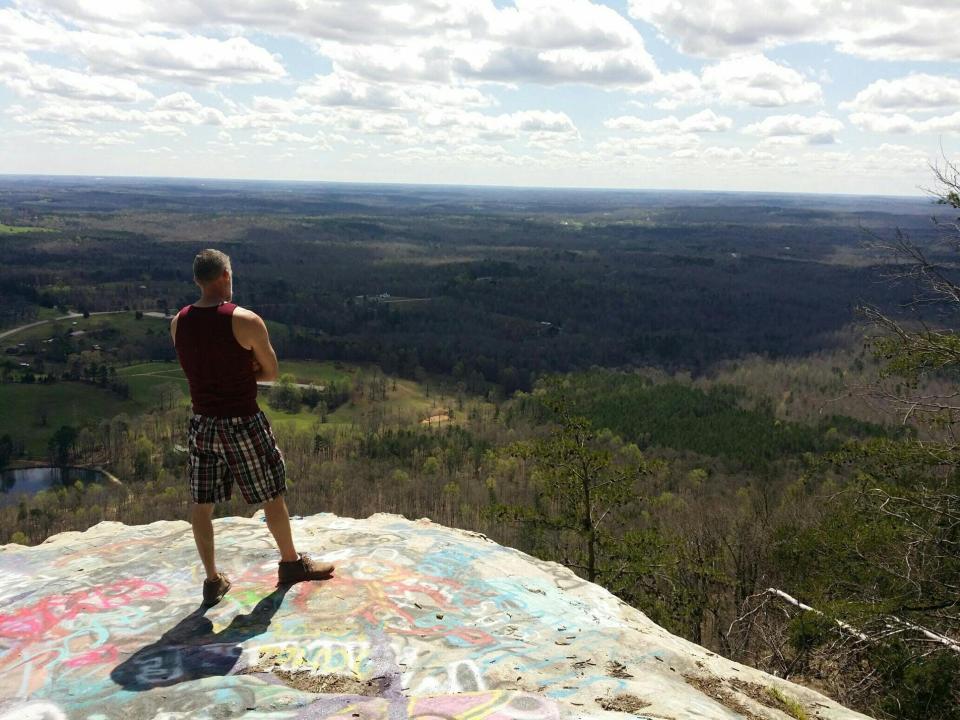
[[809, 96]]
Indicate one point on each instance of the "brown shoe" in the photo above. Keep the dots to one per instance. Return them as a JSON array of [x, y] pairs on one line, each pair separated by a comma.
[[303, 569], [214, 590]]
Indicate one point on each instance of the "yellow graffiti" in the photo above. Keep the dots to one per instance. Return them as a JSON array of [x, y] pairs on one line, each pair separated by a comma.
[[324, 656]]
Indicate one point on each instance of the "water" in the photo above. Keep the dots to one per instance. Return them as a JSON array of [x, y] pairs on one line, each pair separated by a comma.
[[30, 481]]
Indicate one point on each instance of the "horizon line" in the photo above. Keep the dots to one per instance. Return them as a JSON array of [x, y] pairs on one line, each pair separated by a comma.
[[464, 186]]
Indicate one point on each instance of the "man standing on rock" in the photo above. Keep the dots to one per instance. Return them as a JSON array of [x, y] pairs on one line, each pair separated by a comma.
[[224, 350]]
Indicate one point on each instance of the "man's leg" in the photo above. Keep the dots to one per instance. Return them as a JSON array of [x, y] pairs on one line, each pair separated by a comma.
[[260, 472], [201, 518], [278, 521]]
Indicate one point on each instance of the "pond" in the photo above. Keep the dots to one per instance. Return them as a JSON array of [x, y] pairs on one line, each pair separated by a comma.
[[30, 481]]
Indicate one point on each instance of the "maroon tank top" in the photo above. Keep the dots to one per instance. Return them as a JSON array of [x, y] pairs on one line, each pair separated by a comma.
[[218, 368]]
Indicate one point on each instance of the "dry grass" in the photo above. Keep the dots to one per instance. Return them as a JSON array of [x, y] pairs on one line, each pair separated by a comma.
[[773, 697], [623, 703], [714, 688], [329, 684]]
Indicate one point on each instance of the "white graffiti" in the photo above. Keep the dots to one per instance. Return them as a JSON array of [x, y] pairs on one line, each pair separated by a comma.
[[33, 711]]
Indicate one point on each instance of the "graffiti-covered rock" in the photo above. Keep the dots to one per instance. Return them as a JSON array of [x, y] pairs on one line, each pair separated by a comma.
[[418, 621]]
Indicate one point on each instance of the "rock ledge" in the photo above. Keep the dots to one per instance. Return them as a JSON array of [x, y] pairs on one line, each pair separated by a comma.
[[420, 621]]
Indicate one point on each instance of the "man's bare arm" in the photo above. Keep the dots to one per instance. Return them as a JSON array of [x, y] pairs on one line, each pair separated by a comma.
[[251, 332], [173, 329]]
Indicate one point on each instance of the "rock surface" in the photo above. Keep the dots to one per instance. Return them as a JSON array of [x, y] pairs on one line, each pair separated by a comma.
[[419, 621]]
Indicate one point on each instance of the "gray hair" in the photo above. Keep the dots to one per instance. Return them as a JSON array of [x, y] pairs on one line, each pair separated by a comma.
[[209, 265]]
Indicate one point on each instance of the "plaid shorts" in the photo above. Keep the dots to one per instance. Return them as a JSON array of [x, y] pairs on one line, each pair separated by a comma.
[[234, 448]]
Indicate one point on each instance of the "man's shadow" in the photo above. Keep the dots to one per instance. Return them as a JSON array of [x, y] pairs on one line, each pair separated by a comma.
[[191, 650]]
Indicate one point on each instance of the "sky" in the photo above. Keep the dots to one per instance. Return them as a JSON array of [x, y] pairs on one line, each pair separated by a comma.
[[825, 96]]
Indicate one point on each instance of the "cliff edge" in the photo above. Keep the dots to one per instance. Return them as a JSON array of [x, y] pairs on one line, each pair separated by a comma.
[[419, 621]]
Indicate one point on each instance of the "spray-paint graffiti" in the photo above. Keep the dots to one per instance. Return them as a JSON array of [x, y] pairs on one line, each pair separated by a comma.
[[319, 656], [66, 632], [32, 711], [434, 619], [37, 620], [192, 650], [492, 705]]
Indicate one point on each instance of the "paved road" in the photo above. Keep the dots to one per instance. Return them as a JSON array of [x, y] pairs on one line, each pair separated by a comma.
[[267, 384], [72, 316]]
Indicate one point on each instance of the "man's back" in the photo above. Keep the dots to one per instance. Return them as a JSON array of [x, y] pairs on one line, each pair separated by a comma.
[[224, 349], [219, 369]]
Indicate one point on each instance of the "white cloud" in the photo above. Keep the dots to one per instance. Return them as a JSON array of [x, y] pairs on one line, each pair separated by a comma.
[[425, 59], [558, 41], [756, 80], [567, 65], [431, 78], [899, 123], [917, 92], [814, 130], [508, 126], [169, 116], [735, 155], [347, 91], [552, 24], [629, 147], [898, 158], [867, 163], [192, 59], [875, 29], [676, 89], [22, 32], [752, 80], [160, 129], [393, 126], [703, 121], [277, 136], [86, 136], [545, 41], [566, 41], [184, 57], [28, 78], [177, 101], [354, 20]]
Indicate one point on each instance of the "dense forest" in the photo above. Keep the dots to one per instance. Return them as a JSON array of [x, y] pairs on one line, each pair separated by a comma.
[[723, 408], [493, 294]]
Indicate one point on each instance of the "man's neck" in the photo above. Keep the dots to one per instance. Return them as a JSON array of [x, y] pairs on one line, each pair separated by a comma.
[[209, 301]]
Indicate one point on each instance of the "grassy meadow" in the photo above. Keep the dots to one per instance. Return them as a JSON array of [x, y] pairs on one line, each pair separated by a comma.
[[22, 229], [32, 412]]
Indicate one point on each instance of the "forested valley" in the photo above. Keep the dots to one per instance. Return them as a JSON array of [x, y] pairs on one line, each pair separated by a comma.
[[733, 411]]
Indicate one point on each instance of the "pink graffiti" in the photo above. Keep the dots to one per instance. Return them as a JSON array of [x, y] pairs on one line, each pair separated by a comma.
[[36, 621], [488, 705], [105, 654], [390, 603]]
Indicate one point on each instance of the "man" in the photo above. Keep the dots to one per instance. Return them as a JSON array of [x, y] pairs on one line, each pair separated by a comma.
[[224, 350]]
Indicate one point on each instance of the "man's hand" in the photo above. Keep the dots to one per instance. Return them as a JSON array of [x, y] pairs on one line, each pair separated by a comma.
[[256, 366]]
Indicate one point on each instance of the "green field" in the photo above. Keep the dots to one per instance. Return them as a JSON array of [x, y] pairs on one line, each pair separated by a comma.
[[64, 403], [122, 324], [156, 385], [20, 230], [42, 313], [79, 404], [151, 382], [407, 405], [305, 371], [315, 371]]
